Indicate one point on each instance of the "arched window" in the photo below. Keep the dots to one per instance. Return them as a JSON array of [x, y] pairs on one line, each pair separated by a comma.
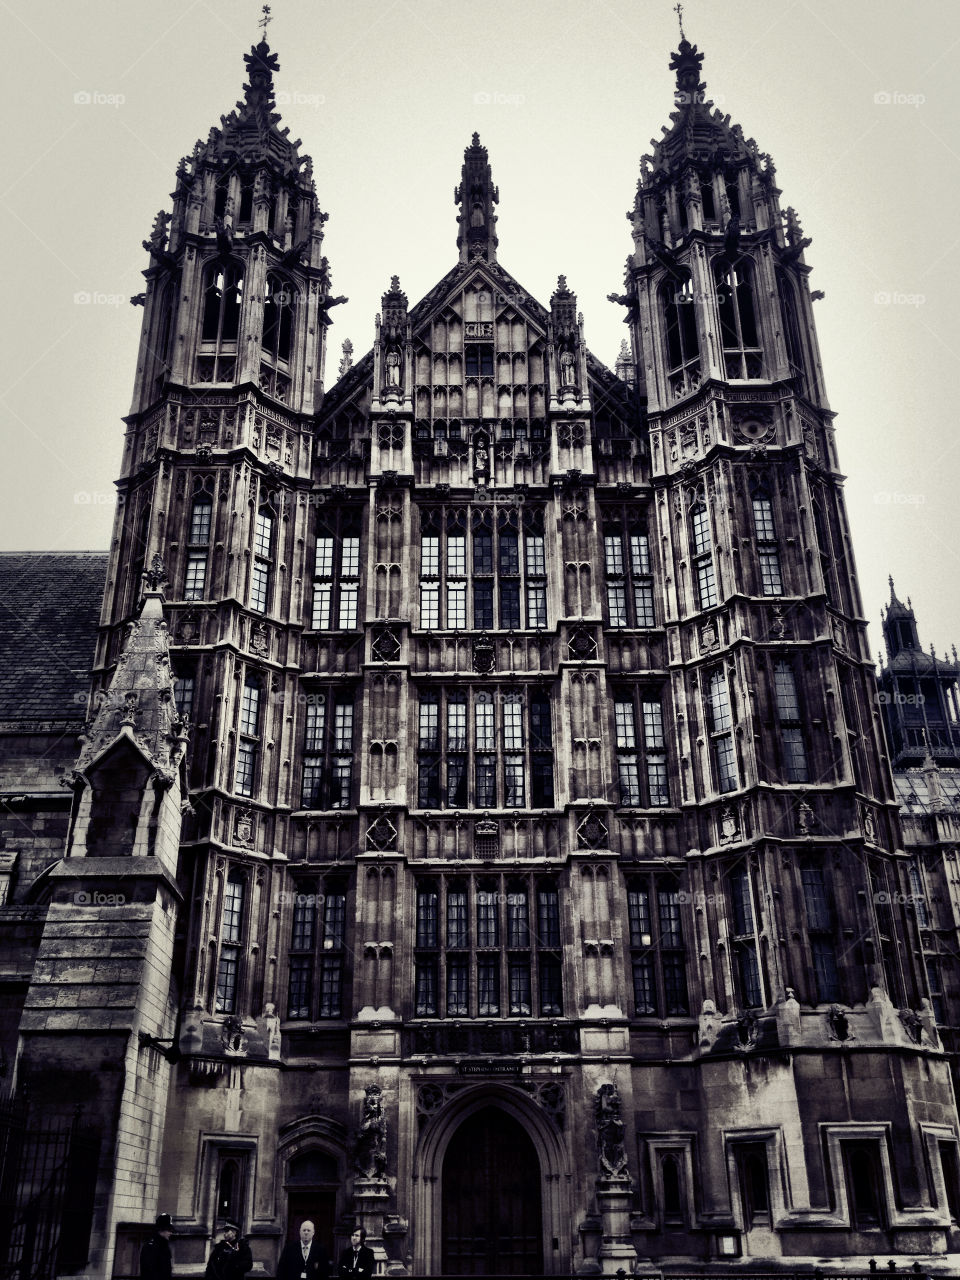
[[278, 304], [680, 328], [231, 938], [221, 304], [738, 318], [220, 324], [791, 325], [245, 213], [221, 192]]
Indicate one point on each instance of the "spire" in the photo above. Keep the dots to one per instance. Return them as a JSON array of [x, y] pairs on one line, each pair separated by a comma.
[[139, 705], [476, 196]]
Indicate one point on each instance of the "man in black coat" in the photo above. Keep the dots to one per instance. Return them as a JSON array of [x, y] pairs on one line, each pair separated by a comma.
[[231, 1259], [307, 1260], [357, 1262], [155, 1260]]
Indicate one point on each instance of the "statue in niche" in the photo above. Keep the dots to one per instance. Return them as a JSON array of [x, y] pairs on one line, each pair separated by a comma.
[[393, 367], [610, 1132], [567, 369], [370, 1159], [476, 214]]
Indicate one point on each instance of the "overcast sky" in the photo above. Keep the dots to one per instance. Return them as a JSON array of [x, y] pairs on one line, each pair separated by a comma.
[[856, 100]]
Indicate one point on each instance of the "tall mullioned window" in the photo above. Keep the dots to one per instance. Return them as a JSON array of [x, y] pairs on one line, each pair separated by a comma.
[[248, 740], [328, 733], [198, 545], [641, 749], [317, 949], [658, 957], [485, 749], [261, 572], [701, 545], [768, 548], [336, 573], [487, 947], [629, 577], [231, 940], [744, 938], [818, 898], [789, 723], [719, 717], [482, 568]]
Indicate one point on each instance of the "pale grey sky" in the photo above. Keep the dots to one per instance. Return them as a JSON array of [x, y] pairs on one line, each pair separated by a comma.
[[856, 100]]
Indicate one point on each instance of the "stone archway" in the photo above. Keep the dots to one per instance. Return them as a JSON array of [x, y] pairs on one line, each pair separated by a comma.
[[491, 1115]]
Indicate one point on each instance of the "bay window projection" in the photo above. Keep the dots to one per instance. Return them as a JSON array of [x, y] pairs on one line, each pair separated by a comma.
[[487, 947], [484, 749]]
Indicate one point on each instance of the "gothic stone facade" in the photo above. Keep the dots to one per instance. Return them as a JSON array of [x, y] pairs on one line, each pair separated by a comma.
[[484, 831]]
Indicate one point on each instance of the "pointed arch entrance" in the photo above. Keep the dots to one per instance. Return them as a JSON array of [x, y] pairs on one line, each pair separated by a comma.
[[492, 1215]]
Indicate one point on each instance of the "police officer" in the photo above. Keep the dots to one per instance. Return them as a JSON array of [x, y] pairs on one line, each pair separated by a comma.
[[231, 1259], [156, 1262]]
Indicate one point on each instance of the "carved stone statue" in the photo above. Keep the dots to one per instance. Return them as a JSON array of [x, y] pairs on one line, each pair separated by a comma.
[[370, 1159], [393, 368], [610, 1149], [567, 369]]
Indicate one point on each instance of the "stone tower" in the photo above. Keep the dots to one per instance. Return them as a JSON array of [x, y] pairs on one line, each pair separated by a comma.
[[543, 901]]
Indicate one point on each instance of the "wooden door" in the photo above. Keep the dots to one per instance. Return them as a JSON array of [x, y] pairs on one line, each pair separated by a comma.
[[491, 1208]]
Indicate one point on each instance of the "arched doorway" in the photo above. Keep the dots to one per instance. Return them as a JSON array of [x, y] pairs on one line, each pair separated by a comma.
[[312, 1181], [492, 1214]]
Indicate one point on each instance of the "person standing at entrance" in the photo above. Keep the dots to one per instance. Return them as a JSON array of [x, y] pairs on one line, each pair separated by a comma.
[[156, 1262], [231, 1259], [357, 1262], [305, 1260]]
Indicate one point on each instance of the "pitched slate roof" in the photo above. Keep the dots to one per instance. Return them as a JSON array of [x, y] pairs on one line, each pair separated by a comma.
[[49, 610]]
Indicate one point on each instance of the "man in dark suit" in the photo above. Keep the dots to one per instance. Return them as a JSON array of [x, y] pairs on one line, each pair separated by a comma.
[[307, 1260], [357, 1262]]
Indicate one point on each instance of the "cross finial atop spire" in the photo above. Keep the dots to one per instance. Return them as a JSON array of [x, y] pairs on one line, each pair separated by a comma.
[[678, 10], [265, 21]]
